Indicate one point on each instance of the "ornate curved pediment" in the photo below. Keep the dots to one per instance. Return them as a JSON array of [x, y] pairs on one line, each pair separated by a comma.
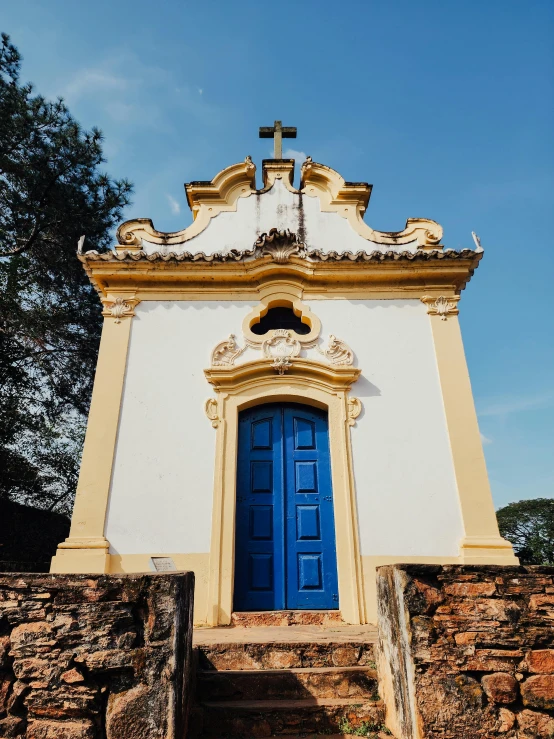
[[206, 200], [350, 200]]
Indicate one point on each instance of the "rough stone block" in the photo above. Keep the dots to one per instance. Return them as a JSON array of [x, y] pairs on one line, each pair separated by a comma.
[[500, 687], [534, 725], [541, 660], [493, 623], [95, 656], [538, 691], [60, 730]]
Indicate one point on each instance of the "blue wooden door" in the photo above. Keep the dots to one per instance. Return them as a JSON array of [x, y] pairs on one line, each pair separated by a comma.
[[285, 554]]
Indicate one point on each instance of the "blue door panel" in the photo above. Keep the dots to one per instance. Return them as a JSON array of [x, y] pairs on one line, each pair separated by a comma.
[[304, 434], [261, 522], [285, 555], [309, 571], [306, 477], [261, 572], [307, 522], [261, 434], [261, 476]]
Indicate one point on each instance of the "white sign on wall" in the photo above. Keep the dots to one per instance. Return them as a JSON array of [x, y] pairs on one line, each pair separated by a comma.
[[162, 564]]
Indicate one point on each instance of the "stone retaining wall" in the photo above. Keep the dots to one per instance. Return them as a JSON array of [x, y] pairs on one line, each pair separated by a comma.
[[467, 652], [95, 656]]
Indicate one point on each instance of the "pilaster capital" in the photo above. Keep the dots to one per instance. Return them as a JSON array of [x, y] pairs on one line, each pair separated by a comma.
[[441, 306], [119, 306]]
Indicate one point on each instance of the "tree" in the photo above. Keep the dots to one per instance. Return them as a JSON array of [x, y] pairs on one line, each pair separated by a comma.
[[529, 525], [51, 192]]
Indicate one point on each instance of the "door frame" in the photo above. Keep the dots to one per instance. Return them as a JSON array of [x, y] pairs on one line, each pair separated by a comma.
[[308, 383]]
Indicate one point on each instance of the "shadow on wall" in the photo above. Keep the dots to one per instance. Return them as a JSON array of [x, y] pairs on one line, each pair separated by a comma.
[[29, 537]]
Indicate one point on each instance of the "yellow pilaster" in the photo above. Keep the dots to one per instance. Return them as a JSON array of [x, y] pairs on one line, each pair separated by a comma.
[[482, 543], [86, 548]]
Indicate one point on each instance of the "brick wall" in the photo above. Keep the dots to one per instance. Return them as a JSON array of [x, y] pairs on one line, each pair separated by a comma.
[[95, 656], [467, 651]]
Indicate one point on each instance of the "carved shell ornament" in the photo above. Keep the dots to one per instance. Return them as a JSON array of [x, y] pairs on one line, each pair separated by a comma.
[[337, 352], [119, 308], [281, 347], [226, 352], [280, 245]]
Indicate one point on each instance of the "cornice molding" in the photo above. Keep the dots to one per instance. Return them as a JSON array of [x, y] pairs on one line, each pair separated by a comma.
[[421, 273], [350, 199], [302, 370]]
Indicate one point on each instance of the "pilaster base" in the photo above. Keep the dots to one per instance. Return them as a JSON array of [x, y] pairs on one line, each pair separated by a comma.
[[82, 556], [478, 550]]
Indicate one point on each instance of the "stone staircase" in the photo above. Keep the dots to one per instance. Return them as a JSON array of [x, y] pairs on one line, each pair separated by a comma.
[[288, 673]]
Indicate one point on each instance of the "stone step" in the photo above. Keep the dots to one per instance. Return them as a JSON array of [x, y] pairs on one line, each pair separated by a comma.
[[251, 619], [276, 717], [284, 655], [315, 682]]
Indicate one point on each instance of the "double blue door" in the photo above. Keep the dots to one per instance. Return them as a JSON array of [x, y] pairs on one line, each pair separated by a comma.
[[285, 554]]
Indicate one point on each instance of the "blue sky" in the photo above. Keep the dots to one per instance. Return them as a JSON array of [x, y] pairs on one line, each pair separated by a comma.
[[446, 107]]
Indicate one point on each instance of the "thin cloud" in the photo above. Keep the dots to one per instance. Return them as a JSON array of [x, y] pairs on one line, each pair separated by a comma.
[[484, 439], [299, 156], [174, 205], [507, 406], [88, 81]]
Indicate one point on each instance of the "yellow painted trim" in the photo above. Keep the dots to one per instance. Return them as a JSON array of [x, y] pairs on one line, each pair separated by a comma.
[[86, 548], [253, 294], [240, 280], [195, 562], [482, 543], [308, 382], [279, 295]]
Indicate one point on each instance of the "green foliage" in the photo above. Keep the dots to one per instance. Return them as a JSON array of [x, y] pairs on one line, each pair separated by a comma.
[[51, 192], [529, 525], [368, 729]]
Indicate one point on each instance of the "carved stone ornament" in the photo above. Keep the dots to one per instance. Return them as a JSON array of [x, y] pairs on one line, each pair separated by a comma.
[[211, 409], [441, 306], [281, 347], [337, 352], [354, 410], [226, 352], [280, 245], [119, 308]]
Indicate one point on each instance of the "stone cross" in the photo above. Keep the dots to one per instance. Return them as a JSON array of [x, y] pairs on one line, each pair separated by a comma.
[[277, 132]]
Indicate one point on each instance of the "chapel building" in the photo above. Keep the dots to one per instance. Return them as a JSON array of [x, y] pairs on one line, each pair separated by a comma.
[[281, 402]]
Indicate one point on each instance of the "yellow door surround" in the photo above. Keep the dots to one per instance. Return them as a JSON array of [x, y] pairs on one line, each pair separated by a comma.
[[311, 383]]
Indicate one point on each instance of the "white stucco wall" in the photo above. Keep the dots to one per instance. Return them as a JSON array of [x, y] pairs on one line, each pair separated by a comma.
[[282, 209], [162, 486]]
